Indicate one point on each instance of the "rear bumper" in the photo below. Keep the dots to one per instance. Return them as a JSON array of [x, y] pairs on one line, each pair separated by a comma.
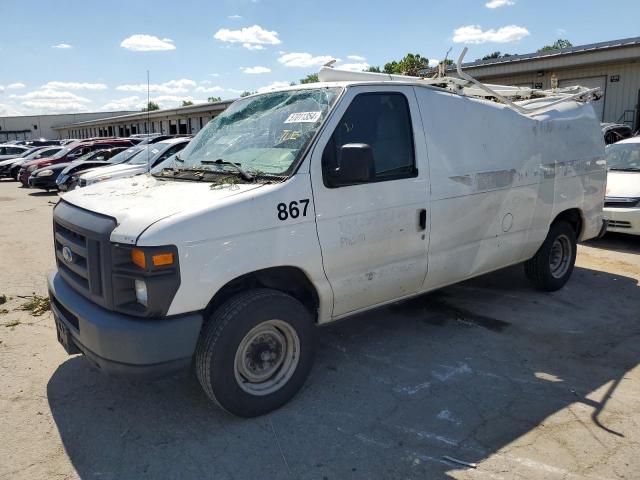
[[623, 220], [122, 345]]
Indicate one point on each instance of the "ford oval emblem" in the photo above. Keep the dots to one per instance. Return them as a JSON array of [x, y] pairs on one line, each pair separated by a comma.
[[67, 254]]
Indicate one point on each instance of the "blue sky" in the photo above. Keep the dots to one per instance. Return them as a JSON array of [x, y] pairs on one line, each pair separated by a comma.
[[69, 56]]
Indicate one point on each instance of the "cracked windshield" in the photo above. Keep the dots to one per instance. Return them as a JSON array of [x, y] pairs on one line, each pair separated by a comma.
[[263, 134]]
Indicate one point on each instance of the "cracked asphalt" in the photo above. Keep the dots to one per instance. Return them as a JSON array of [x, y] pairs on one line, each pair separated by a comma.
[[488, 372]]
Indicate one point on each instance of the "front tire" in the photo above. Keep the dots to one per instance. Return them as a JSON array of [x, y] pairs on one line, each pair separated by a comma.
[[256, 352], [552, 265]]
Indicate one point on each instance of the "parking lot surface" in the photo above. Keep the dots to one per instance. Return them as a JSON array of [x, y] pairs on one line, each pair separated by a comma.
[[490, 372]]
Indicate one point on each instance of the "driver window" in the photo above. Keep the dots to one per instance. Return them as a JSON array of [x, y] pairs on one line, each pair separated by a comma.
[[382, 121]]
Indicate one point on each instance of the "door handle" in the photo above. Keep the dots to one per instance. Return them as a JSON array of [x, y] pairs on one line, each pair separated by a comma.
[[422, 214]]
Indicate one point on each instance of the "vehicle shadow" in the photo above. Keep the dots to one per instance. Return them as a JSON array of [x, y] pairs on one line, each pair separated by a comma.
[[618, 242], [42, 193], [462, 372]]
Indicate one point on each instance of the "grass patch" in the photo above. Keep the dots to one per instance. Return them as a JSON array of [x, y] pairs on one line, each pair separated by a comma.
[[3, 311], [12, 323], [37, 305]]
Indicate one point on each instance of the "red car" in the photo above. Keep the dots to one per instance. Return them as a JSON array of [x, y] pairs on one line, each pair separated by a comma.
[[67, 154]]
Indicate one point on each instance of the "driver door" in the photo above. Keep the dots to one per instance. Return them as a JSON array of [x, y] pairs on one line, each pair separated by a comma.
[[374, 234]]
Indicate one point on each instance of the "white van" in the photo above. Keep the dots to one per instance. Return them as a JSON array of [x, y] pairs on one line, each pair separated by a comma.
[[304, 205]]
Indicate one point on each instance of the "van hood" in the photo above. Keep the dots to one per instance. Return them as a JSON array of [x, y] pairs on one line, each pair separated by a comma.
[[138, 202], [623, 184]]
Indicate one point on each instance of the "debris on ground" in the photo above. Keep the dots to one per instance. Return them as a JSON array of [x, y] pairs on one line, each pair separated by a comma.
[[3, 311], [12, 323], [460, 462], [37, 305], [3, 299]]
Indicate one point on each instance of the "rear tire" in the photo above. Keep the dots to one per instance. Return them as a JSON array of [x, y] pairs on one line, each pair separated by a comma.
[[256, 352], [552, 265]]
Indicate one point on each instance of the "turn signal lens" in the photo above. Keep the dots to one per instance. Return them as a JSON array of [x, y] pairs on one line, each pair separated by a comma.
[[160, 259], [137, 257]]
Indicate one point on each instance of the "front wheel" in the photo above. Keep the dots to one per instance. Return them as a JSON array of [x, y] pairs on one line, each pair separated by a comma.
[[552, 265], [256, 352]]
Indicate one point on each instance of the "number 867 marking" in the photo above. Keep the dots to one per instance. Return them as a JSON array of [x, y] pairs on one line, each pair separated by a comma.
[[292, 210]]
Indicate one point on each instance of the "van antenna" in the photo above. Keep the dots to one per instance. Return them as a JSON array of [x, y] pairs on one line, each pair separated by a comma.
[[442, 66], [148, 115]]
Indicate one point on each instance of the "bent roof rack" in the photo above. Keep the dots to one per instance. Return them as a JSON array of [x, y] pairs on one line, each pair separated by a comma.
[[466, 85]]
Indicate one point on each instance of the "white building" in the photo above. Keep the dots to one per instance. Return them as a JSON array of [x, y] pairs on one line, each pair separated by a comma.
[[30, 127]]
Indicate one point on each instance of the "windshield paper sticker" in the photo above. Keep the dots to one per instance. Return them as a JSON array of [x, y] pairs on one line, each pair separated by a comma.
[[303, 117]]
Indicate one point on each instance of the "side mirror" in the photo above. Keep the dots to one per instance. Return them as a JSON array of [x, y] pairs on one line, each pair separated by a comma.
[[355, 164]]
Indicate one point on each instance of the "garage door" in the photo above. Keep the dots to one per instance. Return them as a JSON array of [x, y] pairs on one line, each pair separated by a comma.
[[590, 82]]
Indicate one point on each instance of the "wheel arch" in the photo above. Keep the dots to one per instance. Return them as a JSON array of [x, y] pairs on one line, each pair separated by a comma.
[[288, 279], [574, 217]]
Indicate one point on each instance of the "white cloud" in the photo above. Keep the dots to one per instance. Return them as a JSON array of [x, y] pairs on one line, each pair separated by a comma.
[[75, 85], [475, 34], [9, 110], [147, 43], [272, 86], [172, 86], [499, 3], [53, 101], [214, 74], [303, 60], [256, 69], [252, 38], [433, 62], [353, 67], [356, 58], [62, 46], [15, 86], [126, 103], [210, 89], [234, 90], [234, 17]]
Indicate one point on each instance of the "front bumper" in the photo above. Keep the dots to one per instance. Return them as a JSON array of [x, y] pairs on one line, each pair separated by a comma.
[[124, 345], [46, 183], [623, 220]]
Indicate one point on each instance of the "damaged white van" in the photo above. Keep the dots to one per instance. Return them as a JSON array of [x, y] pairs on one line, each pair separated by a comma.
[[304, 205]]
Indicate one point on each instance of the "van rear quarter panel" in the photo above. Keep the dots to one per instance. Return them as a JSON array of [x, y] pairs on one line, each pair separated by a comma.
[[499, 178]]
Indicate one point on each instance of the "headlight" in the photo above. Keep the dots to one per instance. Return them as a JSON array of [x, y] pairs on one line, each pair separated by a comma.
[[141, 292], [45, 173]]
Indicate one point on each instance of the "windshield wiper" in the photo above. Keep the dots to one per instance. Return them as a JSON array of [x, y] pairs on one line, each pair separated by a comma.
[[177, 158], [247, 176]]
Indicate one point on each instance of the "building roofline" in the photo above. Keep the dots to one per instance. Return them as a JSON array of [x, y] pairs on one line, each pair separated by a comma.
[[591, 47], [68, 113], [154, 114]]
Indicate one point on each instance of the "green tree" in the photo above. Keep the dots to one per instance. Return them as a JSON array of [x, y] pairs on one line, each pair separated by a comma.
[[151, 106], [373, 69], [186, 103], [214, 99], [311, 78], [411, 65], [493, 55], [557, 45], [246, 93]]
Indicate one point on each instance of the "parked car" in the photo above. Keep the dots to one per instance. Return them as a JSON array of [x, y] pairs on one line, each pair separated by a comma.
[[622, 200], [46, 177], [68, 178], [614, 132], [11, 166], [11, 151], [67, 154], [149, 157], [301, 206]]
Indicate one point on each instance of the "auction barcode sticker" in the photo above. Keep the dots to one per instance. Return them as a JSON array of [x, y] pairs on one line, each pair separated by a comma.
[[303, 117]]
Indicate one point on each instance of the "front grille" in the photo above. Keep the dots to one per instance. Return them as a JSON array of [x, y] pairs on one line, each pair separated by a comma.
[[82, 250], [619, 224], [621, 202]]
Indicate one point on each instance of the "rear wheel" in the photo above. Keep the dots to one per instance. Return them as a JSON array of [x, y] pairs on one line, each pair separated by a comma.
[[552, 265], [255, 352]]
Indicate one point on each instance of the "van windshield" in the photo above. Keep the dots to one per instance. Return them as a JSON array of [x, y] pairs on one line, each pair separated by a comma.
[[623, 156], [265, 133]]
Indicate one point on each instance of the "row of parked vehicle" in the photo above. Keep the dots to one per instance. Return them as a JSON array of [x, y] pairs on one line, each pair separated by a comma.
[[84, 162]]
